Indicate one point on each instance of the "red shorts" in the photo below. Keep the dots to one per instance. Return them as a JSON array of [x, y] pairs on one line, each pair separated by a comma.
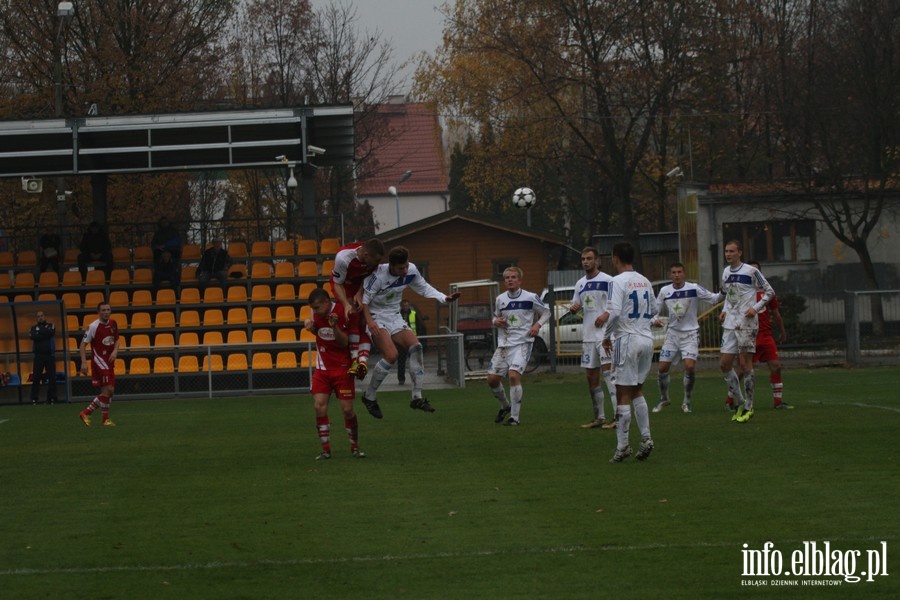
[[766, 350], [338, 381], [102, 377]]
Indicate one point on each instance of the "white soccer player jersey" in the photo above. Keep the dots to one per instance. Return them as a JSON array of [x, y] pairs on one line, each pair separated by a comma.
[[682, 304], [631, 305], [521, 310], [383, 291], [739, 286], [592, 295]]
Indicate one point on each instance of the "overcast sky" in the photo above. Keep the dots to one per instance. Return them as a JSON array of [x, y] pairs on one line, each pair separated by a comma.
[[410, 25]]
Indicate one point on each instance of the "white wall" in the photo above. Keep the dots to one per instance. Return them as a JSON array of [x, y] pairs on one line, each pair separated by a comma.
[[412, 208]]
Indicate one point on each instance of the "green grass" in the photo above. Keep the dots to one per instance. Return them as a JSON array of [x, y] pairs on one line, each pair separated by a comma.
[[222, 498]]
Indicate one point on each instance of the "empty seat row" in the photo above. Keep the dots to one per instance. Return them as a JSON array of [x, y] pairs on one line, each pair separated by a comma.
[[215, 362]]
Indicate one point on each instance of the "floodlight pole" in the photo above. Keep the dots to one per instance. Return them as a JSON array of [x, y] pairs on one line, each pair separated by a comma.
[[392, 190], [64, 13]]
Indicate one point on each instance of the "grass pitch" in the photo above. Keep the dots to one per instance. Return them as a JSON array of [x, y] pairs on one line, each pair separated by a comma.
[[222, 498]]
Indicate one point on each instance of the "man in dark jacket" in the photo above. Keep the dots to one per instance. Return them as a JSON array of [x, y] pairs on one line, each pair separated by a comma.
[[43, 334]]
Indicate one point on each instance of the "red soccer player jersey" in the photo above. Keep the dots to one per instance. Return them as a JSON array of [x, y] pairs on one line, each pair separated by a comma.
[[102, 337], [330, 356], [765, 323], [349, 270]]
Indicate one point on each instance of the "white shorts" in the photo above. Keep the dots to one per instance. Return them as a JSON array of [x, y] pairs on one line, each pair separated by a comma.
[[593, 356], [680, 344], [513, 358], [739, 341], [632, 358], [393, 322]]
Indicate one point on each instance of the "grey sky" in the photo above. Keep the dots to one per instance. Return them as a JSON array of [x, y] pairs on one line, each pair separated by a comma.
[[411, 25]]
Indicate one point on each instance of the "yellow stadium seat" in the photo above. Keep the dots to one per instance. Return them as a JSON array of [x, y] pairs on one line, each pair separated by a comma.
[[71, 279], [284, 248], [262, 336], [213, 295], [166, 297], [164, 340], [93, 299], [48, 279], [237, 250], [119, 366], [142, 255], [307, 336], [286, 334], [142, 277], [163, 364], [236, 294], [261, 360], [189, 318], [237, 362], [165, 319], [191, 252], [96, 278], [5, 281], [71, 300], [237, 316], [141, 320], [141, 298], [330, 245], [119, 298], [305, 290], [213, 317], [26, 259], [121, 255], [139, 366], [327, 267], [72, 323], [260, 270], [285, 291], [308, 360], [260, 293], [23, 298], [305, 313], [188, 274], [286, 360], [70, 257], [7, 260], [212, 338], [284, 270], [262, 249], [307, 268], [188, 364], [237, 336], [47, 296], [214, 361], [285, 314], [238, 271], [188, 338], [307, 248], [86, 320], [120, 277], [24, 280], [190, 295], [121, 319], [261, 314], [139, 340]]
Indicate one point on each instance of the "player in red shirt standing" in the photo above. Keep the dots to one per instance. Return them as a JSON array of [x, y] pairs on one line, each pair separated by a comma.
[[352, 264], [333, 331], [766, 350], [103, 337]]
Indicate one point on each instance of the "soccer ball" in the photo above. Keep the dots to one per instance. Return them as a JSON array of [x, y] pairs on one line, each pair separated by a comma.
[[524, 198]]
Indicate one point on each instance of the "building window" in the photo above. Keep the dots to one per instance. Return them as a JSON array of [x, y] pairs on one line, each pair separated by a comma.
[[774, 241], [500, 265]]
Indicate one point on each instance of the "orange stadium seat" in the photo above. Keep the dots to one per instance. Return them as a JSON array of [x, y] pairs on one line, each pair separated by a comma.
[[213, 360], [285, 291], [188, 364], [261, 360], [237, 316], [188, 338], [260, 292], [164, 340], [307, 248], [190, 295], [166, 297], [260, 270], [165, 319], [71, 279], [284, 270], [163, 364], [48, 279], [261, 314], [213, 295], [139, 366], [141, 320], [285, 314], [286, 360], [120, 277], [262, 336], [213, 317], [237, 362], [212, 338], [308, 360], [236, 294], [286, 334], [305, 290], [189, 318], [237, 250], [284, 248], [330, 246], [237, 336], [141, 298], [119, 298], [307, 268], [261, 249]]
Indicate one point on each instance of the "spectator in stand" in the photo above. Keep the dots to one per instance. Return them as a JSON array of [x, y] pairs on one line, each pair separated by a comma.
[[43, 336], [96, 250], [166, 239], [214, 263], [167, 270], [51, 248]]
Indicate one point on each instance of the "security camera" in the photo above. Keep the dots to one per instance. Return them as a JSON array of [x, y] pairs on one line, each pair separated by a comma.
[[281, 158], [32, 185], [314, 150], [676, 172]]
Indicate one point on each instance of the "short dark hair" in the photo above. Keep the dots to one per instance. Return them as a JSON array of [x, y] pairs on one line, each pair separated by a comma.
[[676, 264], [737, 243], [399, 255], [590, 249], [318, 295], [374, 247], [624, 251]]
